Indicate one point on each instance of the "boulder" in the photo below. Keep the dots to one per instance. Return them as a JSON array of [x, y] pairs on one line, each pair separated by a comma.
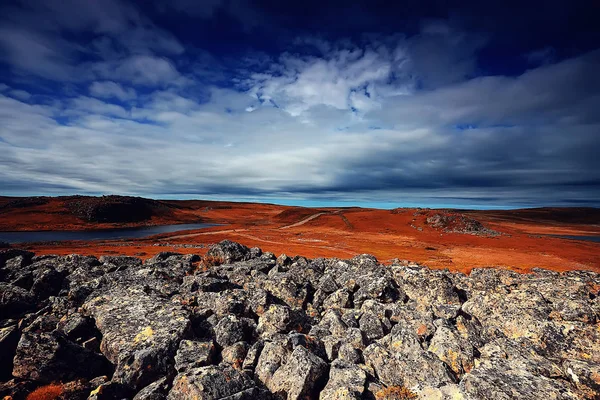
[[212, 383], [50, 357], [229, 251], [140, 333], [301, 375]]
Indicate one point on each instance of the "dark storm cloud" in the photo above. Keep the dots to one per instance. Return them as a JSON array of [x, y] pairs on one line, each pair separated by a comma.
[[487, 103]]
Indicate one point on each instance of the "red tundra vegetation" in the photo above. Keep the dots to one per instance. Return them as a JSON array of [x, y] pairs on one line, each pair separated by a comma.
[[457, 240], [48, 392]]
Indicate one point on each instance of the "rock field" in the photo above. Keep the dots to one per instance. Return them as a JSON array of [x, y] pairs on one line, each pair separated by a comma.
[[243, 324]]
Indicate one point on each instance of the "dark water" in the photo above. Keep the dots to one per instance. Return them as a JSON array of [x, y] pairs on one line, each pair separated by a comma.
[[124, 233], [587, 238]]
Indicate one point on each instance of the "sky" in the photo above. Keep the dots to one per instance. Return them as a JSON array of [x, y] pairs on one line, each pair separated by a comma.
[[490, 104]]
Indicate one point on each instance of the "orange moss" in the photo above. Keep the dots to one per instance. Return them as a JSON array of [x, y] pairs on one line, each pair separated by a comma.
[[48, 392], [395, 393]]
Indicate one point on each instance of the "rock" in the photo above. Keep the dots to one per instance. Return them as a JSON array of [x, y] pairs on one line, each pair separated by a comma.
[[16, 389], [9, 338], [585, 376], [252, 356], [235, 354], [14, 301], [452, 349], [276, 318], [111, 391], [49, 357], [192, 354], [157, 390], [229, 251], [338, 299], [9, 254], [284, 261], [229, 330], [498, 380], [297, 328], [346, 381], [370, 326], [302, 373], [46, 282], [212, 383], [140, 333]]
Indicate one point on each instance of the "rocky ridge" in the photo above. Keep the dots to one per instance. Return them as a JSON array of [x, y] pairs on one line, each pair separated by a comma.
[[243, 324]]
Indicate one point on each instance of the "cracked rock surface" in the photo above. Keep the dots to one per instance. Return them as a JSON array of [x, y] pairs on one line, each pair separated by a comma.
[[265, 327]]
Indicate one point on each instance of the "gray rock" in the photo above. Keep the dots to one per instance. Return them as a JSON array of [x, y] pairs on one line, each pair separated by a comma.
[[235, 354], [14, 300], [140, 333], [229, 251], [49, 357], [276, 318], [192, 354], [9, 338], [212, 383], [346, 381], [302, 373], [229, 330], [157, 390]]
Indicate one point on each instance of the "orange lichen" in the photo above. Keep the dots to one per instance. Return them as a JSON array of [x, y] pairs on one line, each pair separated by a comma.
[[395, 393]]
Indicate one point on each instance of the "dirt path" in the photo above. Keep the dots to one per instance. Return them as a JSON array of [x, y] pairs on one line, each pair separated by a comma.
[[188, 235], [305, 220]]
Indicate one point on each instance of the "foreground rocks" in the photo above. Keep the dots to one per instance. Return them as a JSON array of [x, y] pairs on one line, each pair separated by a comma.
[[265, 327]]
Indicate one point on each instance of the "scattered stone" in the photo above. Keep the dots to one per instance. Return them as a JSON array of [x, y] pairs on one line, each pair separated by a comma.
[[256, 327]]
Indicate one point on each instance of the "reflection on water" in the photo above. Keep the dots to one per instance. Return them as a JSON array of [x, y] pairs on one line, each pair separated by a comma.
[[123, 233]]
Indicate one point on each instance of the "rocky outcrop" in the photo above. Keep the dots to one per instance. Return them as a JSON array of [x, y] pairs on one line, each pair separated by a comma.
[[114, 208], [258, 326]]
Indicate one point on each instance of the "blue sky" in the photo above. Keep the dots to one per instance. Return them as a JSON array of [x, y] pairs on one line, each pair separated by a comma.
[[491, 104]]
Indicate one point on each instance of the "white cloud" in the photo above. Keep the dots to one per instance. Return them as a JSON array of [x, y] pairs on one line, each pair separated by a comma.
[[348, 121], [109, 89]]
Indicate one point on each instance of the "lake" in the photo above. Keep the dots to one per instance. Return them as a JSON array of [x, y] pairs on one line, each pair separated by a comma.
[[574, 237], [105, 234]]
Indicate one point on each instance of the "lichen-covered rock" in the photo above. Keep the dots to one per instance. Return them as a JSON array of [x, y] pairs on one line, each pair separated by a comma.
[[14, 300], [452, 349], [235, 354], [346, 381], [276, 318], [229, 330], [212, 383], [157, 390], [193, 354], [301, 374], [9, 338], [497, 379], [229, 251], [49, 357], [140, 333], [254, 327]]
